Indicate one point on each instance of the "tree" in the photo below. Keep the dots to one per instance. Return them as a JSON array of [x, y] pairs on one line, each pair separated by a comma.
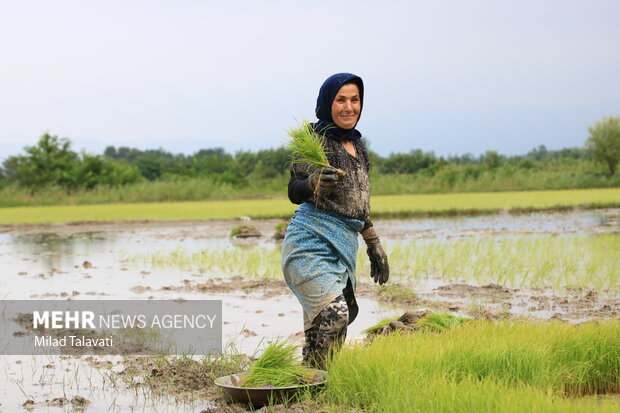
[[51, 161], [539, 153], [604, 141], [492, 159]]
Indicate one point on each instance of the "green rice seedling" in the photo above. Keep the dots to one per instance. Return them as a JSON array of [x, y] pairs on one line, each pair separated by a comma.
[[440, 322], [278, 366], [523, 262], [307, 146], [482, 366], [282, 226], [379, 325], [397, 292], [236, 231], [437, 322], [228, 261]]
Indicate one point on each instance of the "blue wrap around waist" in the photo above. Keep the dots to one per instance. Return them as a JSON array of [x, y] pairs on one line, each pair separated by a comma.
[[318, 257]]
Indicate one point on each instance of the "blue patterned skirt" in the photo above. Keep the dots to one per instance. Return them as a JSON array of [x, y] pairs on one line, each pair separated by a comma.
[[318, 258]]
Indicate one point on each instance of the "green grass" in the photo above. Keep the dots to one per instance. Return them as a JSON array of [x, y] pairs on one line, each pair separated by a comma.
[[482, 367], [435, 204], [450, 178], [179, 190], [389, 205]]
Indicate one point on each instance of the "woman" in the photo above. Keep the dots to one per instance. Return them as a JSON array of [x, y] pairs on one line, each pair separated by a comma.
[[320, 246]]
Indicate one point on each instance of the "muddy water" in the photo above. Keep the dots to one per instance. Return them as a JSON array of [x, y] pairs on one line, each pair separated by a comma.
[[74, 264], [86, 262], [504, 225], [43, 379]]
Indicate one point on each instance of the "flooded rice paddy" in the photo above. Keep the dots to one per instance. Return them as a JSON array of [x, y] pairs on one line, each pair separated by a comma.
[[159, 260]]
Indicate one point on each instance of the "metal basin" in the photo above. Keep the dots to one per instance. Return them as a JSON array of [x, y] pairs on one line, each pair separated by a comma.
[[262, 396]]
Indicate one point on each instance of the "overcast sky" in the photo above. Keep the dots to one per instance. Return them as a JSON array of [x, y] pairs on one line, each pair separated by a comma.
[[450, 77]]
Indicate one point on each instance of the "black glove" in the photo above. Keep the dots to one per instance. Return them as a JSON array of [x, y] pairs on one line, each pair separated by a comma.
[[323, 181], [379, 267]]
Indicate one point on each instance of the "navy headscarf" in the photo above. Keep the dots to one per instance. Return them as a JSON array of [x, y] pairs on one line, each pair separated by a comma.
[[327, 94]]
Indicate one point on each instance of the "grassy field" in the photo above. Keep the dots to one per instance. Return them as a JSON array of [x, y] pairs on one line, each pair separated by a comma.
[[387, 205], [483, 367]]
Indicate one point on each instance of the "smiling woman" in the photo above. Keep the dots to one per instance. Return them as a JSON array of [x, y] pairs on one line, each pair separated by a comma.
[[319, 251]]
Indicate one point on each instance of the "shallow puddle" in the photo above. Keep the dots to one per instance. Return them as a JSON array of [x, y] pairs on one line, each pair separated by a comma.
[[42, 379]]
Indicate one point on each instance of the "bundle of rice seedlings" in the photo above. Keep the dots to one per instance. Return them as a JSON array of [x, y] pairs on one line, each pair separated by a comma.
[[440, 321], [278, 366], [379, 325], [307, 148], [420, 320]]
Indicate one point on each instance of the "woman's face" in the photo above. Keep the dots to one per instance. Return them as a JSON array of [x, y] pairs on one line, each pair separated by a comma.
[[347, 106]]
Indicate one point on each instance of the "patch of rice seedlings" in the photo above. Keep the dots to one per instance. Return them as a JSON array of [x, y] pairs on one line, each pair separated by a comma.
[[235, 231], [589, 261], [481, 366], [435, 322], [440, 322], [229, 261], [520, 262], [397, 292], [278, 366]]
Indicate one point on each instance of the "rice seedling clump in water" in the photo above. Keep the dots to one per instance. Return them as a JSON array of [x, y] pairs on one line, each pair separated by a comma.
[[278, 366]]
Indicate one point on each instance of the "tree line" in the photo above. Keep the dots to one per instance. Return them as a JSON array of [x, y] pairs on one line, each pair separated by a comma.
[[52, 161]]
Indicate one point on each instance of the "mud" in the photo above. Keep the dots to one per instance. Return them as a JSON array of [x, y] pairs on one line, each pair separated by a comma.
[[591, 221], [184, 379], [490, 301], [266, 287], [165, 229], [78, 403]]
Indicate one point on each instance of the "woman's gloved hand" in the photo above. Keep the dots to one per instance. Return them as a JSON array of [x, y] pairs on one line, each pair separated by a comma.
[[323, 181], [379, 267]]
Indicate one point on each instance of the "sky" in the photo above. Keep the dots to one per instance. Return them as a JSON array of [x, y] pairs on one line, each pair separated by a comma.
[[451, 77]]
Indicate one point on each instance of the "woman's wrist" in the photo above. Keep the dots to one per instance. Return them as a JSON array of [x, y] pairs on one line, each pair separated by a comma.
[[370, 236]]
